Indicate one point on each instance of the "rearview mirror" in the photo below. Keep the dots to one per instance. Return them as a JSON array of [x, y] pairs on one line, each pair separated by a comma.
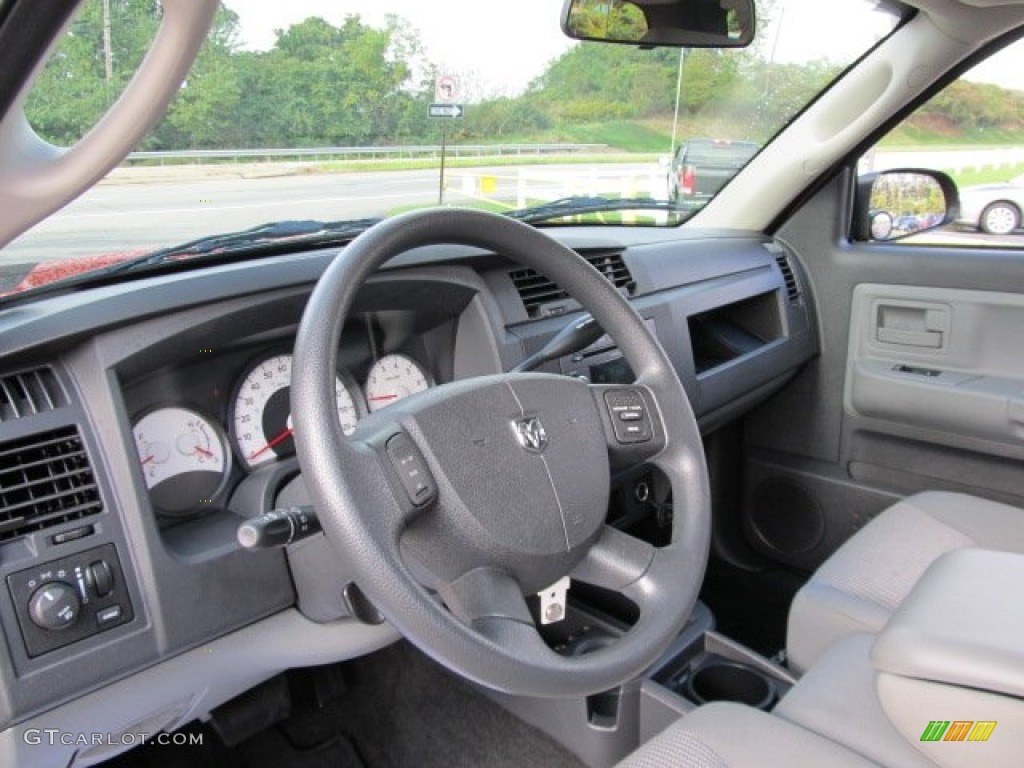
[[679, 23]]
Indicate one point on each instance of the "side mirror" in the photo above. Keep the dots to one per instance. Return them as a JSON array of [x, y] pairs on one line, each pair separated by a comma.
[[895, 204], [678, 23]]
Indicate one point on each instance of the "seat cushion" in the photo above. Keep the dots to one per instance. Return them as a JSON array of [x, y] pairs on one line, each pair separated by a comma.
[[865, 580], [725, 735], [838, 699]]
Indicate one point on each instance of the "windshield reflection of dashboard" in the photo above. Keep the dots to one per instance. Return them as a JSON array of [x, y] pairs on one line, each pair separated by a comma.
[[201, 424]]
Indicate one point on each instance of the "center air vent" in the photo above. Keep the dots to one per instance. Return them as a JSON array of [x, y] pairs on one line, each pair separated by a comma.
[[45, 480], [781, 258], [29, 392], [537, 291]]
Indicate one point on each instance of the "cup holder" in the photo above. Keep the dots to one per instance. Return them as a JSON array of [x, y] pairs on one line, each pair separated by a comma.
[[721, 680]]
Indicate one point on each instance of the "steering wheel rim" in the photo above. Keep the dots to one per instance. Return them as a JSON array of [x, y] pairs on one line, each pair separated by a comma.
[[481, 631]]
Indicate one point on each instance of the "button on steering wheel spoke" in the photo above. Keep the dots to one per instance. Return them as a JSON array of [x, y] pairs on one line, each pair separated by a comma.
[[631, 421]]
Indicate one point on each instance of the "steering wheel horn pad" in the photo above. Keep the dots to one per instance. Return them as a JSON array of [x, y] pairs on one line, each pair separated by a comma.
[[529, 508]]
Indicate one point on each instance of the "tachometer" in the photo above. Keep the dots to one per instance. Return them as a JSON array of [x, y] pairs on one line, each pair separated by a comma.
[[261, 415], [391, 378], [184, 458]]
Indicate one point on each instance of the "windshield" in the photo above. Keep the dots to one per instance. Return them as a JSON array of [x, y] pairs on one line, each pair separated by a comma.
[[333, 110]]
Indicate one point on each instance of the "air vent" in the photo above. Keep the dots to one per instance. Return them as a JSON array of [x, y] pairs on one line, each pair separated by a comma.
[[45, 480], [29, 392], [792, 288], [537, 291]]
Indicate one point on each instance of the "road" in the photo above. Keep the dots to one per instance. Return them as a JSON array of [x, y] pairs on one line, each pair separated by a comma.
[[162, 211], [155, 207]]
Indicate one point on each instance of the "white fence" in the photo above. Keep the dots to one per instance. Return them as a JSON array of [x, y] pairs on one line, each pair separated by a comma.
[[530, 185]]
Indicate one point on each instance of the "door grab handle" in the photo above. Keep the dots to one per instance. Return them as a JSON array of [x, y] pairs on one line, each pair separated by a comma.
[[930, 339]]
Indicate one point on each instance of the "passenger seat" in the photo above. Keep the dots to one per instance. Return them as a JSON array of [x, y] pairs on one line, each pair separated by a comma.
[[864, 581]]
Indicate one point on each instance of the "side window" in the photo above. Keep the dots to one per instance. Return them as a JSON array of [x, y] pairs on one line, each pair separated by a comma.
[[972, 130]]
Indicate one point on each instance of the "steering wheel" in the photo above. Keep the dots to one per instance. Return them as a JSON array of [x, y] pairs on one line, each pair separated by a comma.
[[451, 505]]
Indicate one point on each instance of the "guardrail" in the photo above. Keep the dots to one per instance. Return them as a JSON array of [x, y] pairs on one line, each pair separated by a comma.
[[364, 153]]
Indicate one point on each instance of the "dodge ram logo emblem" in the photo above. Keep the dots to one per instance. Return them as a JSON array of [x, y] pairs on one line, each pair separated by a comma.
[[530, 434]]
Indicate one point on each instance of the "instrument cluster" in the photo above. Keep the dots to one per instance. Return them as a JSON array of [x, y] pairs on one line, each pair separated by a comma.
[[202, 431]]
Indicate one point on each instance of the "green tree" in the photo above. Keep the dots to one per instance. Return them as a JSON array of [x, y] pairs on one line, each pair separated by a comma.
[[340, 85], [598, 82], [73, 92], [205, 112]]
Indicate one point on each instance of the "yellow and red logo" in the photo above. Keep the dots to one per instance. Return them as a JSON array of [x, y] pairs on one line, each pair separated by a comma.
[[958, 730]]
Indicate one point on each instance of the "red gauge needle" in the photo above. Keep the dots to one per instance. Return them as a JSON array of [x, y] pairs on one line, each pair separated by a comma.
[[204, 452], [379, 398], [146, 460], [279, 439]]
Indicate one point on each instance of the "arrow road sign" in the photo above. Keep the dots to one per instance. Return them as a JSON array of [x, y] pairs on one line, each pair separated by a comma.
[[445, 110]]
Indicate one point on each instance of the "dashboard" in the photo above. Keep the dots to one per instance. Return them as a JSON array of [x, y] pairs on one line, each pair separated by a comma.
[[143, 421]]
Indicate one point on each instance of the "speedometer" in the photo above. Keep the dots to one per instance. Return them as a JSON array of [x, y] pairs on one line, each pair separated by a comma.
[[391, 378], [261, 415]]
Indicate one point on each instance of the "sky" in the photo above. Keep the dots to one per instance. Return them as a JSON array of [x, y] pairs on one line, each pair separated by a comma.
[[514, 48]]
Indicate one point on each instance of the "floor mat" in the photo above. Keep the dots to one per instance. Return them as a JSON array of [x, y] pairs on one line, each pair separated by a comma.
[[406, 710], [400, 710], [270, 749]]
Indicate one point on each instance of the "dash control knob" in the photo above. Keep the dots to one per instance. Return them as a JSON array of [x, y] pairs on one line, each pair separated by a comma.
[[54, 606]]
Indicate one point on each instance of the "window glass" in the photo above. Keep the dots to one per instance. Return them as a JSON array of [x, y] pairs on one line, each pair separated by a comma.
[[972, 130]]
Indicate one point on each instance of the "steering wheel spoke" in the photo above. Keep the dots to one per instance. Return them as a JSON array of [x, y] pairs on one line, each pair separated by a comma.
[[632, 423], [490, 602], [619, 562], [485, 594]]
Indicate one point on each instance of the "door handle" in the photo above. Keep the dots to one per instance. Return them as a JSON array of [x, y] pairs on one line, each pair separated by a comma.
[[930, 339], [908, 325]]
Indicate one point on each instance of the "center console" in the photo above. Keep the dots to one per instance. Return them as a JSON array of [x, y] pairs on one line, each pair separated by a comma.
[[699, 667]]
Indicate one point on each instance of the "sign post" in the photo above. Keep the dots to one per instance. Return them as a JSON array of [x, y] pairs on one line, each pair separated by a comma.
[[444, 149], [446, 93]]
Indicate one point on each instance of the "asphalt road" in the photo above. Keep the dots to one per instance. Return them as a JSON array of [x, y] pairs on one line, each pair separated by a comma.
[[140, 213], [143, 209]]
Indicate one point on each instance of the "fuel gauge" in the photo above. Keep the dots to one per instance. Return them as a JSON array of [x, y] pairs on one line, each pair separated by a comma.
[[184, 459]]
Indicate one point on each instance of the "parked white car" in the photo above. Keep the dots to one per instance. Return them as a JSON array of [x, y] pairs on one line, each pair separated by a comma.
[[993, 208]]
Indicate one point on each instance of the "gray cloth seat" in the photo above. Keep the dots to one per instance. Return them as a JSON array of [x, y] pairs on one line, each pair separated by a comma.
[[857, 589], [838, 699], [723, 735]]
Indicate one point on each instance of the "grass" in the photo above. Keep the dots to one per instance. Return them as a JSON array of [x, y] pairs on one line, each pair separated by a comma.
[[431, 163], [605, 217], [987, 175], [482, 205], [626, 135], [910, 136]]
